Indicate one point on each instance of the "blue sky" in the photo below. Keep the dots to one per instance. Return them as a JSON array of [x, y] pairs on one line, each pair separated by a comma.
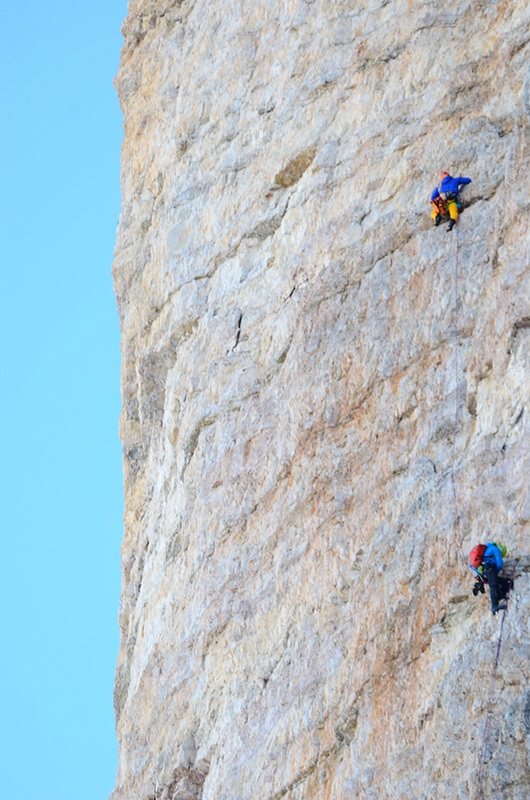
[[61, 481]]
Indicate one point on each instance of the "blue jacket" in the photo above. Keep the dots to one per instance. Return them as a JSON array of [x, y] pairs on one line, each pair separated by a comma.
[[449, 184], [492, 555]]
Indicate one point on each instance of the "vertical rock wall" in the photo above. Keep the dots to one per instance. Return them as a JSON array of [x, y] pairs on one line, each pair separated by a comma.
[[324, 399]]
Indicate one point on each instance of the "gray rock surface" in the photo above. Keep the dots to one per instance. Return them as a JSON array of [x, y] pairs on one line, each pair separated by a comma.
[[325, 399]]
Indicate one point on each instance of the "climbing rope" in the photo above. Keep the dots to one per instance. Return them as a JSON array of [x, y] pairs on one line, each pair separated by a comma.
[[457, 525], [456, 336], [457, 532], [487, 725]]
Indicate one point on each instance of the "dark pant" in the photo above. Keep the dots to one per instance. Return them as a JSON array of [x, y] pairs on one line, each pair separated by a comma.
[[498, 586]]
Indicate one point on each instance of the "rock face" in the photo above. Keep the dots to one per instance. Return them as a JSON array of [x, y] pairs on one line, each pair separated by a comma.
[[326, 400]]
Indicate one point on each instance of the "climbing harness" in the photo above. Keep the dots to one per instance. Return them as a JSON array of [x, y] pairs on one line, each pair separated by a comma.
[[450, 197], [487, 725]]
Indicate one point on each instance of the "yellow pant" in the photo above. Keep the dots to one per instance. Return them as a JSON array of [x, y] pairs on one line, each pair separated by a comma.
[[452, 210]]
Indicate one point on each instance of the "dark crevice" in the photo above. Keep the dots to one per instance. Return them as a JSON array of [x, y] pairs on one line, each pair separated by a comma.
[[517, 47], [526, 715], [193, 441], [520, 325], [467, 203], [238, 333]]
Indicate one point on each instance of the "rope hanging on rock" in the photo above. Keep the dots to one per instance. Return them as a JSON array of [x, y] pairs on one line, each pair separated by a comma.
[[487, 725], [458, 541], [456, 336], [457, 525]]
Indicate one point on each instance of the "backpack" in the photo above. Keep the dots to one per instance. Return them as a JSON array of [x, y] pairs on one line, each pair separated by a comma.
[[440, 206], [476, 555]]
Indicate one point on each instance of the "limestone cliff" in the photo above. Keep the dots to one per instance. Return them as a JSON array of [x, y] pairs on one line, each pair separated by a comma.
[[326, 400]]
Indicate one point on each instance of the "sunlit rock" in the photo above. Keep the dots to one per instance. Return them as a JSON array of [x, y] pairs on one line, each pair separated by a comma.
[[325, 400]]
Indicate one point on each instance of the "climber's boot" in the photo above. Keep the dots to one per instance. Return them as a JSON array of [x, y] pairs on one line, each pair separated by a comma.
[[499, 607]]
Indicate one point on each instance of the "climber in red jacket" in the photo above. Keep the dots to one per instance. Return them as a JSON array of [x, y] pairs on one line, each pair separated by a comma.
[[487, 571]]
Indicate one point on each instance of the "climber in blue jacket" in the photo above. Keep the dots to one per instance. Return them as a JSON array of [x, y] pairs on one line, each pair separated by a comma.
[[492, 563], [445, 200]]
